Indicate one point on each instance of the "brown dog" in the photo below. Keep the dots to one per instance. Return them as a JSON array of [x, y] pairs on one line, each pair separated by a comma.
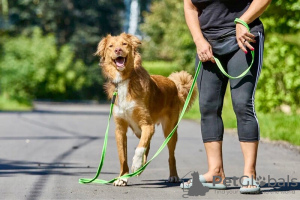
[[142, 100]]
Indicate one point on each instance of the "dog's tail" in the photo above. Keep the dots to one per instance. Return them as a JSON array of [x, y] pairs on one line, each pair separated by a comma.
[[183, 82]]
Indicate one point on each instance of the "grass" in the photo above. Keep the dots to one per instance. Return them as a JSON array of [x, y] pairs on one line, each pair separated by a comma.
[[163, 68], [275, 126], [11, 105], [279, 126]]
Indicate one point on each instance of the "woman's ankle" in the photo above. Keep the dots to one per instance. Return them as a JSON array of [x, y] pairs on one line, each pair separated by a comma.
[[216, 173], [250, 173]]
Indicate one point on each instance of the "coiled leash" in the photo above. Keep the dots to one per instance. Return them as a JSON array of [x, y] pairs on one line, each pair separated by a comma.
[[141, 169]]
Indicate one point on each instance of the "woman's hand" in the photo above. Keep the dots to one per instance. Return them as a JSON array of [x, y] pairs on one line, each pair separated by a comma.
[[204, 51], [244, 38]]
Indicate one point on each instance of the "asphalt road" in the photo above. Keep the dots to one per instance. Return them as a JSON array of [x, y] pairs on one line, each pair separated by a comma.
[[44, 153]]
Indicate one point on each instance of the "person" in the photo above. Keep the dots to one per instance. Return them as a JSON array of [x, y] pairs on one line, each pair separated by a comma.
[[212, 26]]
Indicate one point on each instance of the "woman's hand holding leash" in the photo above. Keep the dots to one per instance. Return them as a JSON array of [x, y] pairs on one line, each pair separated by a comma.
[[204, 51]]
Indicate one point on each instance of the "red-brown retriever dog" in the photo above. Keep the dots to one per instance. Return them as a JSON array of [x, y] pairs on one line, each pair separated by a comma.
[[142, 100]]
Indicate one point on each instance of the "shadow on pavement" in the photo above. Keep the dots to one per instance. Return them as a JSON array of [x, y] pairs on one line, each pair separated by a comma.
[[278, 187], [49, 138], [55, 112], [9, 168], [157, 183]]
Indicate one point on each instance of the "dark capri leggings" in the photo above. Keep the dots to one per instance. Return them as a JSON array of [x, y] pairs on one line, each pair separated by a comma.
[[212, 86]]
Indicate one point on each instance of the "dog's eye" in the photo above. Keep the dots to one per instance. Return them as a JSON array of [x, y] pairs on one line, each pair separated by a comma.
[[124, 43], [110, 45]]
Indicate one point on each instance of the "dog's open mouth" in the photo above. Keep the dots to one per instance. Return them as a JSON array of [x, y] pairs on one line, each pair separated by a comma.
[[120, 62]]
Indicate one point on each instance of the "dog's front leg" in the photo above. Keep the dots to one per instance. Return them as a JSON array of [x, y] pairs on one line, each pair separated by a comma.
[[121, 139], [139, 156]]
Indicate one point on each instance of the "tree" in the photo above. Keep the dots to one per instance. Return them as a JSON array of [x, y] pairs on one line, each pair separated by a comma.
[[80, 24], [167, 36], [282, 16]]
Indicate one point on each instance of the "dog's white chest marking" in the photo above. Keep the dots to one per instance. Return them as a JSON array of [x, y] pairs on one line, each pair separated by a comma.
[[118, 78], [124, 108]]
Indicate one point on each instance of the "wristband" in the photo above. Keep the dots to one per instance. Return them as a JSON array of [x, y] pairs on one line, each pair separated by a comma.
[[238, 20]]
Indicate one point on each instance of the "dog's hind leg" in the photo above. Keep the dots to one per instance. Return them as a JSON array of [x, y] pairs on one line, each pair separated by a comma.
[[168, 124], [141, 150], [121, 139]]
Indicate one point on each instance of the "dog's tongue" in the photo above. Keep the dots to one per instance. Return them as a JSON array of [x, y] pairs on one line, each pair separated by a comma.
[[120, 61]]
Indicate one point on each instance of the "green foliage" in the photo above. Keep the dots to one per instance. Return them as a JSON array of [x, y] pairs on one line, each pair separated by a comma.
[[283, 16], [279, 82], [32, 67], [169, 37], [279, 126], [161, 67], [81, 24]]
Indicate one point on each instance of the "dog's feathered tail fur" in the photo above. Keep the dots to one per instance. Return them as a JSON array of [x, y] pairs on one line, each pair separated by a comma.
[[183, 82]]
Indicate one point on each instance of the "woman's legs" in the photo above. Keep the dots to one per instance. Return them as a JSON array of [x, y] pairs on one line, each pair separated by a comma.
[[249, 150], [242, 93], [212, 86], [215, 161]]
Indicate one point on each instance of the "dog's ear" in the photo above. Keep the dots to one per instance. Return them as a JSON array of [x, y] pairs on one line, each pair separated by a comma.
[[135, 42], [101, 47]]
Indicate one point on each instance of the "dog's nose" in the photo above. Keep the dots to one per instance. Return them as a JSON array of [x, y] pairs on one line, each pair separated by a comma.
[[118, 50]]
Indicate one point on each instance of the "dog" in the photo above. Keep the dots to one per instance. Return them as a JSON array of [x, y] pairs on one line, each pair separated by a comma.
[[142, 100]]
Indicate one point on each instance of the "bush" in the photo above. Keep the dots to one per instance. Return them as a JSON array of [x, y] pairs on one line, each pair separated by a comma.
[[279, 82], [33, 67]]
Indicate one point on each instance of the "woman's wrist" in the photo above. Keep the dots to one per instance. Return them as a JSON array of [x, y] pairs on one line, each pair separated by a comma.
[[199, 39], [245, 19], [239, 21]]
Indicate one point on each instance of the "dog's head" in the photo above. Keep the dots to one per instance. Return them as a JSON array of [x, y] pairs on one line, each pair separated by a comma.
[[118, 53]]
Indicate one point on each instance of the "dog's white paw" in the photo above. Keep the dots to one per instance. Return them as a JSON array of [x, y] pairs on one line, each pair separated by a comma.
[[173, 179], [137, 160], [121, 182]]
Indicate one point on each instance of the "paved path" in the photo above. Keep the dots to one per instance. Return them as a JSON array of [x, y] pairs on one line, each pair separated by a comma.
[[44, 153]]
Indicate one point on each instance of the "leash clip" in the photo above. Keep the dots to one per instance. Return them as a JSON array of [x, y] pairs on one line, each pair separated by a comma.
[[114, 95]]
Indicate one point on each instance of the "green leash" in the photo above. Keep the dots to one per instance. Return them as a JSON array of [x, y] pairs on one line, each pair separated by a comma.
[[237, 20], [141, 169]]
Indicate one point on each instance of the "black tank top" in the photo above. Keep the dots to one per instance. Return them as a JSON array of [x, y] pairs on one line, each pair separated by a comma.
[[217, 17]]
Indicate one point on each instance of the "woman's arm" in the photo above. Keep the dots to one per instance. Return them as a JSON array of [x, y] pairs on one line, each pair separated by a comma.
[[204, 49], [243, 37], [256, 8]]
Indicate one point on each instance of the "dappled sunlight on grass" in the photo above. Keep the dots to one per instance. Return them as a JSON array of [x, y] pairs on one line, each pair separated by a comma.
[[12, 105]]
